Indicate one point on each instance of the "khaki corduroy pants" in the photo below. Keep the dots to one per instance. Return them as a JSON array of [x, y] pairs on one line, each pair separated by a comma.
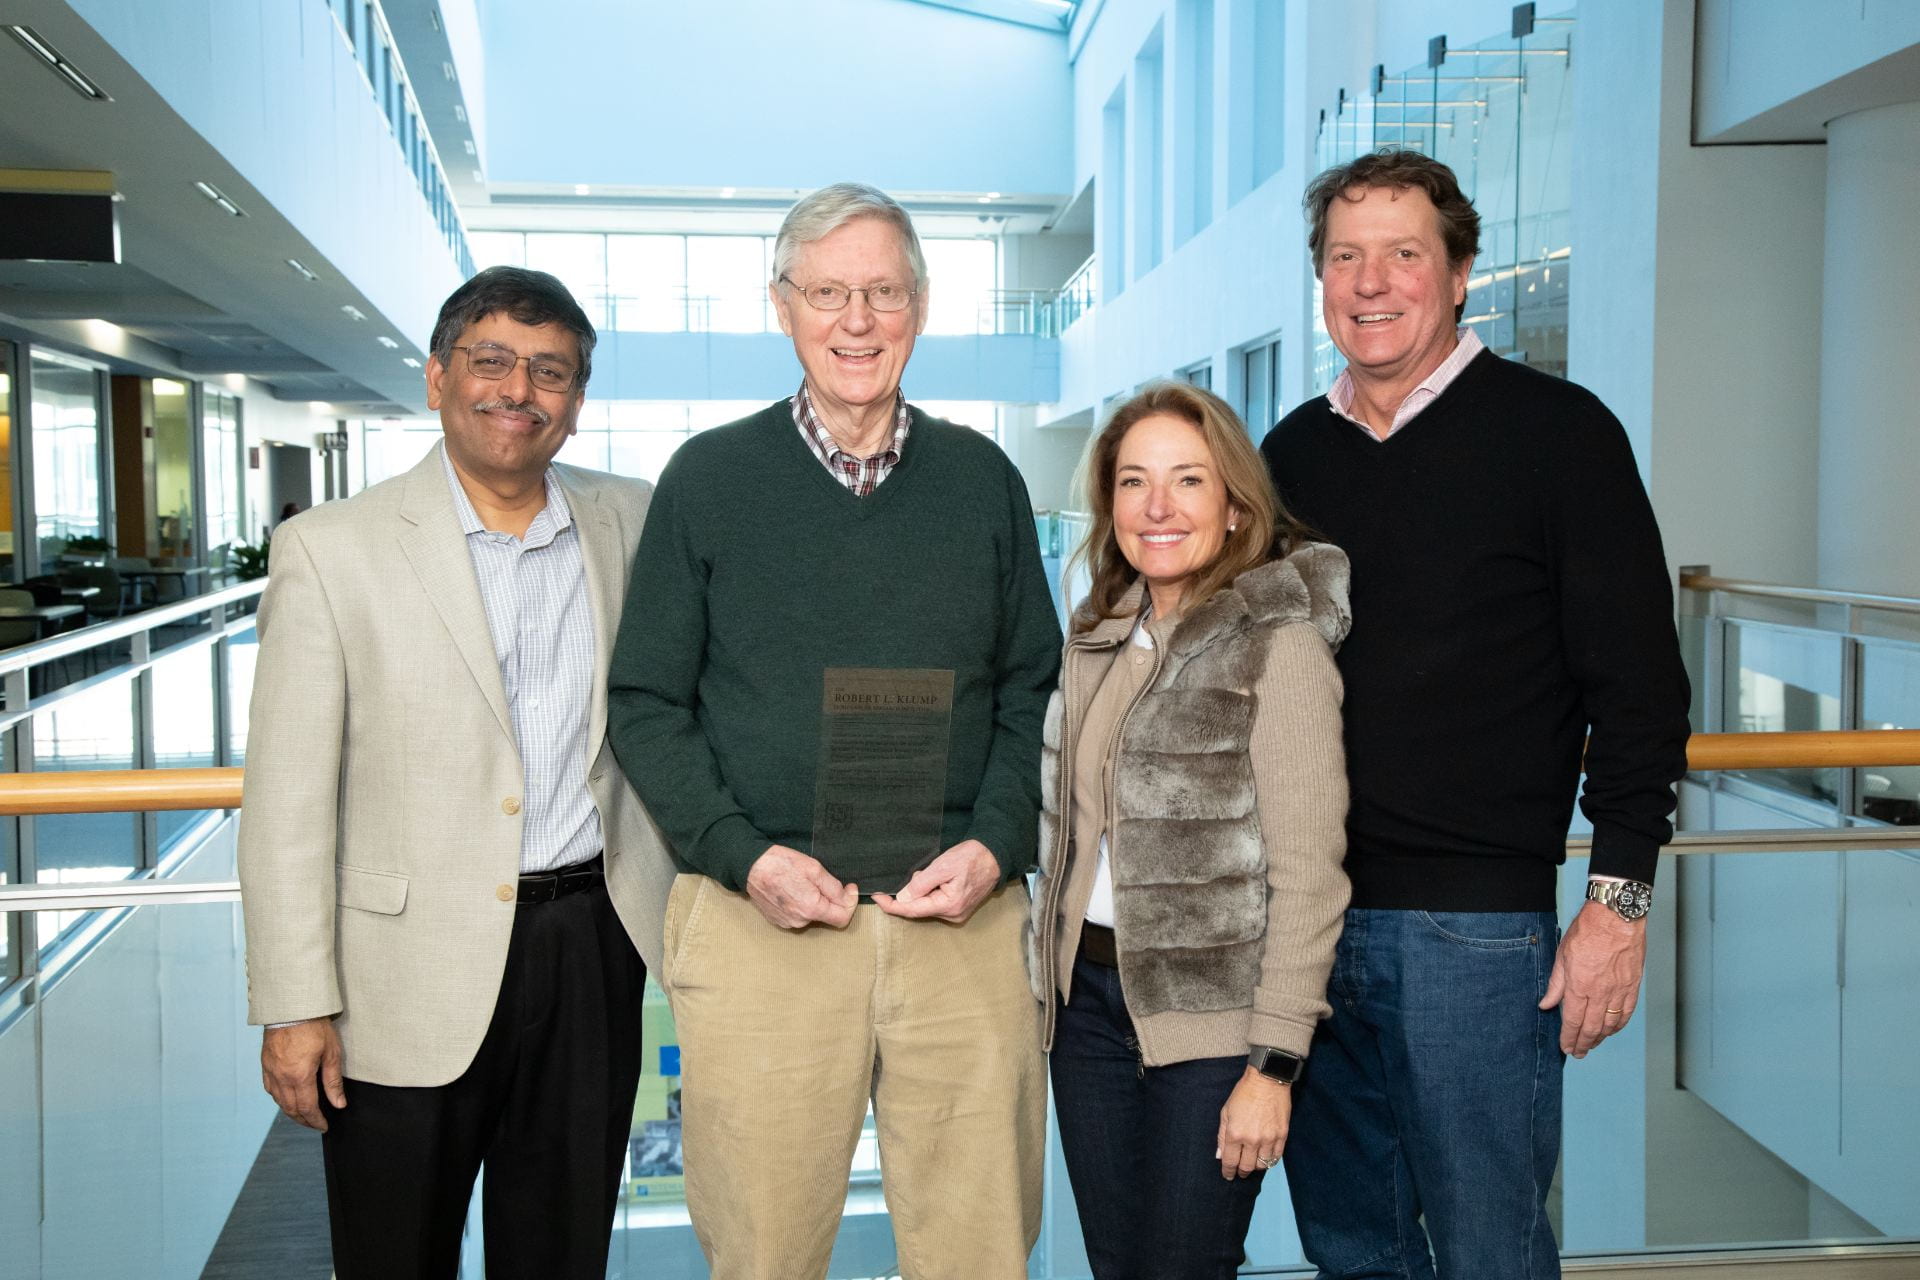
[[785, 1036]]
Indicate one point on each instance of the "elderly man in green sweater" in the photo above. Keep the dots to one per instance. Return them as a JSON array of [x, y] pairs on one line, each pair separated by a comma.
[[828, 687]]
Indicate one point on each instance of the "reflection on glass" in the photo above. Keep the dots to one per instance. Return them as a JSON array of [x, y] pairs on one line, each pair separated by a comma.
[[66, 454], [647, 281], [960, 280], [1890, 699], [220, 425], [243, 653], [6, 466], [170, 490], [727, 283], [1779, 680], [183, 730], [92, 730]]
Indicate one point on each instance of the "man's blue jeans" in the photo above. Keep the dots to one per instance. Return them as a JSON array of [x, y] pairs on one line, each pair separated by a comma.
[[1140, 1143], [1432, 1098]]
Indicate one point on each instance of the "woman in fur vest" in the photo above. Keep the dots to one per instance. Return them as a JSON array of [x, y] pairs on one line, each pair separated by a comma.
[[1192, 830]]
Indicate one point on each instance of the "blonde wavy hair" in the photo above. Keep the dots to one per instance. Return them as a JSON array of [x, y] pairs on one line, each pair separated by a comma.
[[1263, 532]]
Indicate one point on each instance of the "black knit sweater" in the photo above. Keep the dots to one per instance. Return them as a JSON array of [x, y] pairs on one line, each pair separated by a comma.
[[1510, 600]]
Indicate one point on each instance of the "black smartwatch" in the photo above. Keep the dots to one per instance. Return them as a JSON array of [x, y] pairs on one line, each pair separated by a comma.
[[1276, 1064]]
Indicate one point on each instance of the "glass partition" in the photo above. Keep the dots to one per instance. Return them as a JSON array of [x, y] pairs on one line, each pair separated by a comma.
[[91, 729], [65, 426], [184, 734], [1889, 699], [1780, 679]]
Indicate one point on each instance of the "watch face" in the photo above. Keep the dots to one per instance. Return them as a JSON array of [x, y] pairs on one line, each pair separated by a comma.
[[1632, 899]]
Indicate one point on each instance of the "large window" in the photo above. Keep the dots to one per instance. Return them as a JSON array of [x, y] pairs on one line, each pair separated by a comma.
[[220, 441], [66, 453], [1261, 369], [718, 284]]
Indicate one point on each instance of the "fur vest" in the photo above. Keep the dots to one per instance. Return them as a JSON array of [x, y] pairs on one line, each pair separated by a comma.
[[1189, 866]]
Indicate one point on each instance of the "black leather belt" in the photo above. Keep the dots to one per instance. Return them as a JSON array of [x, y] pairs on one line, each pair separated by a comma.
[[545, 886], [1097, 945]]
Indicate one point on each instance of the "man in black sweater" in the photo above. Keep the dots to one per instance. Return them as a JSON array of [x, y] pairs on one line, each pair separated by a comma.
[[1510, 606]]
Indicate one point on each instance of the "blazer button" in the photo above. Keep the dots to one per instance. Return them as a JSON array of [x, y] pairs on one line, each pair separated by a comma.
[[510, 806], [504, 893]]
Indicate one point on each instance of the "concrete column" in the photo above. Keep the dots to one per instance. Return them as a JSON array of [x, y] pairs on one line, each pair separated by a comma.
[[1869, 526]]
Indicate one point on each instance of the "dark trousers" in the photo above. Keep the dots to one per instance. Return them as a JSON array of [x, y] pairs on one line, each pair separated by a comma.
[[1430, 1111], [1140, 1142], [546, 1106]]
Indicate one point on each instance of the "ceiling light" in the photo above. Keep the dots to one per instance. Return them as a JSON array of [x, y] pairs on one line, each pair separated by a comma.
[[297, 266], [468, 143], [477, 177], [410, 362], [40, 49], [386, 342], [446, 69], [459, 113], [993, 195], [219, 198], [581, 188], [433, 18], [353, 313], [986, 199], [726, 193]]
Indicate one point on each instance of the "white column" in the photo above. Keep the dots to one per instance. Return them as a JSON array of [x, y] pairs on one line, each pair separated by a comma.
[[1869, 353]]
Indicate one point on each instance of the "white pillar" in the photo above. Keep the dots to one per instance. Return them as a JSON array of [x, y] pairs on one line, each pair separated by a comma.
[[1869, 354]]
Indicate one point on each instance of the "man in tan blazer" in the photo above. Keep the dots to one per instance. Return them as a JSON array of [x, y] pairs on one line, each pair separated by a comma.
[[448, 884]]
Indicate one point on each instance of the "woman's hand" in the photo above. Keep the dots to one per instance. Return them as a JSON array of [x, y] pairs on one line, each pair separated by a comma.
[[1253, 1125]]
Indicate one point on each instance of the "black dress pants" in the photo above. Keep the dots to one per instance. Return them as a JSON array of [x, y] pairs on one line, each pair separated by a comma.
[[546, 1106]]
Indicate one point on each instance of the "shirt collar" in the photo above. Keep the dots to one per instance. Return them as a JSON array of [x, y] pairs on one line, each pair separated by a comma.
[[815, 426], [1467, 346], [552, 520]]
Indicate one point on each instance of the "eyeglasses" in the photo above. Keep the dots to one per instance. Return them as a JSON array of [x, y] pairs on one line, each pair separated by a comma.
[[494, 363], [831, 295]]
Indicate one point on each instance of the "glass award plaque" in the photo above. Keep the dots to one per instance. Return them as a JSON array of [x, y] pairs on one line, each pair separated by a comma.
[[880, 793]]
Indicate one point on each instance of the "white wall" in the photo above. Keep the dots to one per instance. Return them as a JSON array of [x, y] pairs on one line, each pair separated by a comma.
[[908, 97], [1771, 72]]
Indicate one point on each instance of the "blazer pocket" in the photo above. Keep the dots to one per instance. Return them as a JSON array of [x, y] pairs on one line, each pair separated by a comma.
[[381, 892]]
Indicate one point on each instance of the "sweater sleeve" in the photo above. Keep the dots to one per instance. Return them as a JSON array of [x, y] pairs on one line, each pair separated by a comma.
[[1006, 809], [1617, 631], [1300, 783], [653, 693]]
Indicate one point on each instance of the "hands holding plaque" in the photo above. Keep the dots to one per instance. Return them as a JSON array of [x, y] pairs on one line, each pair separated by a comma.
[[949, 887], [793, 890]]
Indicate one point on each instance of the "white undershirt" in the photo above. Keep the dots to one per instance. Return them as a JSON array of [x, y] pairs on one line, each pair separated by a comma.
[[1100, 905]]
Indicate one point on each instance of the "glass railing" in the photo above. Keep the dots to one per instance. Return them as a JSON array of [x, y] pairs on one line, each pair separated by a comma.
[[1075, 298], [991, 312]]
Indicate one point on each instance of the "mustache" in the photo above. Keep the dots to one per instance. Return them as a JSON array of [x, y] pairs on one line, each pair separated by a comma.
[[510, 405]]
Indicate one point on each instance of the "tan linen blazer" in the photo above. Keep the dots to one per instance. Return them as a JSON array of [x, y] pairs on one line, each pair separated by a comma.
[[380, 827]]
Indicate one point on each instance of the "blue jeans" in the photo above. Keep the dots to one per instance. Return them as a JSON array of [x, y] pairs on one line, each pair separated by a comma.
[[1139, 1143], [1432, 1099]]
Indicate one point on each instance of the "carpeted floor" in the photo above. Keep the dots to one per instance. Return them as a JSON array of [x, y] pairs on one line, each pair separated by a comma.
[[278, 1226]]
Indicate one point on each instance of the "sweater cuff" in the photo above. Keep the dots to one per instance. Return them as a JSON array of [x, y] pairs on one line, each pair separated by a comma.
[[1620, 852], [729, 850], [1279, 1033], [999, 843]]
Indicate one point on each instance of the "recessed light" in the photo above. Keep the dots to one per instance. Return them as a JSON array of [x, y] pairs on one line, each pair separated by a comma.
[[446, 69], [581, 188], [477, 177], [76, 80], [353, 313], [433, 17], [468, 144], [386, 342], [410, 362], [459, 113], [726, 193], [297, 266], [986, 199], [993, 195], [219, 198]]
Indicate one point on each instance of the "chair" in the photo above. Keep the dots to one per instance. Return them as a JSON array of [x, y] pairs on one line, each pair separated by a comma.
[[17, 631], [132, 583]]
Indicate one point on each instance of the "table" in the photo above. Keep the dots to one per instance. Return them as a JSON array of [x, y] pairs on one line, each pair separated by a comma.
[[41, 612]]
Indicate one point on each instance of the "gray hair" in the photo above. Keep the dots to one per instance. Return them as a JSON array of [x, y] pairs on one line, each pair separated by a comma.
[[819, 215]]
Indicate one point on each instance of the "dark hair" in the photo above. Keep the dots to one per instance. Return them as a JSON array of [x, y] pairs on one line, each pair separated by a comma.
[[1402, 170], [531, 297], [1265, 529]]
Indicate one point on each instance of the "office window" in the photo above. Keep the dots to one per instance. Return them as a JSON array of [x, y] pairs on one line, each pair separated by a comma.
[[1261, 369], [581, 263], [220, 452], [65, 425], [1199, 375], [647, 283], [727, 283]]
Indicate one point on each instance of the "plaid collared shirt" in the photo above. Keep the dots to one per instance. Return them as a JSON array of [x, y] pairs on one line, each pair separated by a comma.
[[861, 475]]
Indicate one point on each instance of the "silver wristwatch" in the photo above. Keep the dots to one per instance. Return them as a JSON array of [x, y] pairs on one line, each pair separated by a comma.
[[1628, 899]]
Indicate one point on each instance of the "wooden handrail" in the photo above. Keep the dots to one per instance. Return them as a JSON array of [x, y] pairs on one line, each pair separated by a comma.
[[1802, 595], [129, 790]]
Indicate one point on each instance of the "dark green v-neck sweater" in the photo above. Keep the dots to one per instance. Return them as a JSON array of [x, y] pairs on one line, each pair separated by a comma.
[[1510, 602], [757, 571]]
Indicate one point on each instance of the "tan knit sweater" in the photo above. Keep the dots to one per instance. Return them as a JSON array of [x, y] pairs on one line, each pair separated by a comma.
[[1299, 774]]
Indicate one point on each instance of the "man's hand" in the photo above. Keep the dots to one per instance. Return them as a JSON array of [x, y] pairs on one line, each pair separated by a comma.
[[793, 890], [948, 888], [1253, 1125], [296, 1062], [1596, 977]]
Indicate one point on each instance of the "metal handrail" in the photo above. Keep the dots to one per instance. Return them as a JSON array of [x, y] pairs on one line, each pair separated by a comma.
[[1702, 581], [77, 642]]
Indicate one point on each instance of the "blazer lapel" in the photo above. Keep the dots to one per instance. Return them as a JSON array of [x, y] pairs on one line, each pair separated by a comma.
[[602, 555], [437, 549]]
